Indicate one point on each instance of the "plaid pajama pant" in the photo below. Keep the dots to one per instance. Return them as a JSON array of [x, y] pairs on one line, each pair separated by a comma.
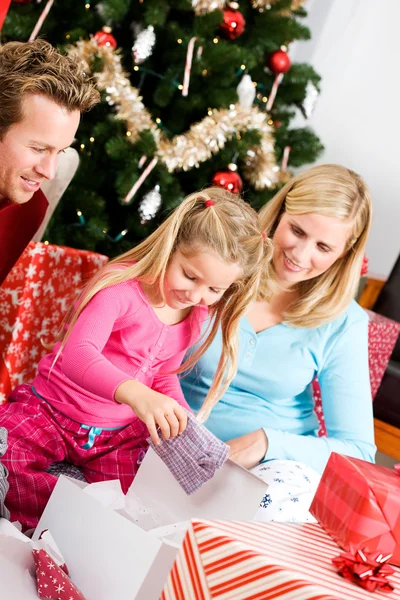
[[39, 435], [3, 475]]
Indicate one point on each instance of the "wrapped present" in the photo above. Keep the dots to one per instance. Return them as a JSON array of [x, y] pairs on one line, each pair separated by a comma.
[[358, 504], [34, 300], [382, 337], [260, 561], [31, 569], [52, 579]]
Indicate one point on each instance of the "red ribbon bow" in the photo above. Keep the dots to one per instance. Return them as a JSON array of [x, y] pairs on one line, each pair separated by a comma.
[[366, 569]]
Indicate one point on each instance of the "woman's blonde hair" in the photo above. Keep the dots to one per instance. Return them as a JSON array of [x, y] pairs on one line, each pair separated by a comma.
[[333, 191], [229, 227]]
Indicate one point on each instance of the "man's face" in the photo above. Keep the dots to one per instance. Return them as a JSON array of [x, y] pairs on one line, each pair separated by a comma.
[[29, 150]]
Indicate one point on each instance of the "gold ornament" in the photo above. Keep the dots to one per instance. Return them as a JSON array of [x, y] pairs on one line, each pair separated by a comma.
[[202, 7], [266, 4], [201, 141]]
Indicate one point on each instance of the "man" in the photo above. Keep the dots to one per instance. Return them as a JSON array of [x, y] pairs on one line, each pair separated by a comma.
[[42, 95]]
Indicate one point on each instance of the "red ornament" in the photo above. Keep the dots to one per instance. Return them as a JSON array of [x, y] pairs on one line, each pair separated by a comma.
[[104, 38], [229, 180], [279, 62], [233, 24]]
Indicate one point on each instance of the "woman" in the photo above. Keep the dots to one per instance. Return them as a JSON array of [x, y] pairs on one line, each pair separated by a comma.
[[304, 324]]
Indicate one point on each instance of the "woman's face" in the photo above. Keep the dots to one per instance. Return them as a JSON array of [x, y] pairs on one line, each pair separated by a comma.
[[306, 245]]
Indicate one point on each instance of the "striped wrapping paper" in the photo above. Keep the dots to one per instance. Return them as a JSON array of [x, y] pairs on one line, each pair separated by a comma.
[[225, 560]]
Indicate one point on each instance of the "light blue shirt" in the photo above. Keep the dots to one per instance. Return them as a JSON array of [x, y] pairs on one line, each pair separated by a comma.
[[272, 389]]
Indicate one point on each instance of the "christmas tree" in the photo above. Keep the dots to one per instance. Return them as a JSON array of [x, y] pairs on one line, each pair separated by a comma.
[[193, 93]]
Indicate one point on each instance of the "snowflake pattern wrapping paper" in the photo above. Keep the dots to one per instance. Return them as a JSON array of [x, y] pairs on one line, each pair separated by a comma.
[[34, 300], [291, 488], [52, 581]]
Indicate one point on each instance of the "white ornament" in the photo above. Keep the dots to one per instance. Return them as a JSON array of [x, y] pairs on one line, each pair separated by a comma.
[[100, 9], [246, 91], [150, 204], [143, 46], [310, 99]]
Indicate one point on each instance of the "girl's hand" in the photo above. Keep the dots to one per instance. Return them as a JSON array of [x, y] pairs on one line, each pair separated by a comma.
[[153, 408], [157, 410]]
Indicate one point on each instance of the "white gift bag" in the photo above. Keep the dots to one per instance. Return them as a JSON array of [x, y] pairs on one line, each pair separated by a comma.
[[126, 553], [17, 566]]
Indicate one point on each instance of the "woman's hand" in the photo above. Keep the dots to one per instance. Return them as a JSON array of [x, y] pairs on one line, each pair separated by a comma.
[[249, 449], [154, 409]]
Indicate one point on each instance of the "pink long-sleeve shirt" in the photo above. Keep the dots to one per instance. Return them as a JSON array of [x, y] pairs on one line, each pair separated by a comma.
[[117, 337]]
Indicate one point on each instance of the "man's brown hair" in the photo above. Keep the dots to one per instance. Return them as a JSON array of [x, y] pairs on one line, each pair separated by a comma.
[[38, 68]]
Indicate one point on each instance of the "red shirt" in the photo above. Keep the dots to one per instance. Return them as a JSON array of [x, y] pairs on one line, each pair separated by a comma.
[[18, 225]]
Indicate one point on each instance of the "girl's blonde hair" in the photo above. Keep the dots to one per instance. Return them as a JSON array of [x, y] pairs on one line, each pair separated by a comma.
[[333, 191], [230, 228]]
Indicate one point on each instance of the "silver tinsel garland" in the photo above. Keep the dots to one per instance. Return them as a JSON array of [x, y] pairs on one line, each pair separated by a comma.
[[201, 141]]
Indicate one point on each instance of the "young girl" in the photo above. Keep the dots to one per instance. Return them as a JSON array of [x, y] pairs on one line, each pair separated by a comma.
[[112, 380]]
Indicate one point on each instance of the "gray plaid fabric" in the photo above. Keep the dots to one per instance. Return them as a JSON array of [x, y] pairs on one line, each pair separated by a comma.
[[194, 456], [3, 475], [64, 468]]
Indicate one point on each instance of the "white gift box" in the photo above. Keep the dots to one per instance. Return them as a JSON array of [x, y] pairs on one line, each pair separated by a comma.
[[125, 550]]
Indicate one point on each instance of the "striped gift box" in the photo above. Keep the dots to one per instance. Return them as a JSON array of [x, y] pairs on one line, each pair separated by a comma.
[[260, 561], [358, 504]]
